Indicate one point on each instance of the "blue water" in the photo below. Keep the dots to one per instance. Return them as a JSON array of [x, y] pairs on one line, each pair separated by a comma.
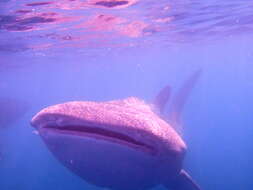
[[69, 50]]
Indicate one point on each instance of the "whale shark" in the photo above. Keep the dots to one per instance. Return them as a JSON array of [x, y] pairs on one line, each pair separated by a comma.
[[123, 144]]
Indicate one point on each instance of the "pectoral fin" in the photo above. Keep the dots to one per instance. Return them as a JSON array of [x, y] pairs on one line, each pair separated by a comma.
[[182, 182]]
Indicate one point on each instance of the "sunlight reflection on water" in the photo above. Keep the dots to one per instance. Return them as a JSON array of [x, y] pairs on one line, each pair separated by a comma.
[[114, 23]]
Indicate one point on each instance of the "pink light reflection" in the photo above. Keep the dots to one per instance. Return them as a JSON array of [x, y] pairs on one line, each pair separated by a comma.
[[134, 29], [102, 4], [38, 4], [111, 4], [114, 24]]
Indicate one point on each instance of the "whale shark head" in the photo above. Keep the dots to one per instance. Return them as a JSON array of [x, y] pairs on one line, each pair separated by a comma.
[[121, 144], [112, 143]]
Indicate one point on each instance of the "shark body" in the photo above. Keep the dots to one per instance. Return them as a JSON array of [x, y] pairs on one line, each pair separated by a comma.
[[120, 145]]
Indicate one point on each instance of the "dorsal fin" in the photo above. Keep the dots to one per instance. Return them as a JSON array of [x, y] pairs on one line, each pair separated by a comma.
[[180, 100], [162, 98]]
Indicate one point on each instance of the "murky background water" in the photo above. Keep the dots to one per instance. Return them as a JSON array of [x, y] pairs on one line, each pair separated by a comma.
[[57, 51]]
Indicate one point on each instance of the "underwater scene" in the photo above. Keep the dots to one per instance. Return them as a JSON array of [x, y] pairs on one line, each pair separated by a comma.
[[126, 95]]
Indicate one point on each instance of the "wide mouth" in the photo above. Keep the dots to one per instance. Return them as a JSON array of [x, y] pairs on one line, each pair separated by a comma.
[[102, 134]]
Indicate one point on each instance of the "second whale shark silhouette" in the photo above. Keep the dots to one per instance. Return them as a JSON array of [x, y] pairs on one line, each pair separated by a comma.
[[121, 144]]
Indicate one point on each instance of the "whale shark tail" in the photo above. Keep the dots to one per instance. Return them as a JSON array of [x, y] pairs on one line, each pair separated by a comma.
[[180, 100], [182, 182]]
